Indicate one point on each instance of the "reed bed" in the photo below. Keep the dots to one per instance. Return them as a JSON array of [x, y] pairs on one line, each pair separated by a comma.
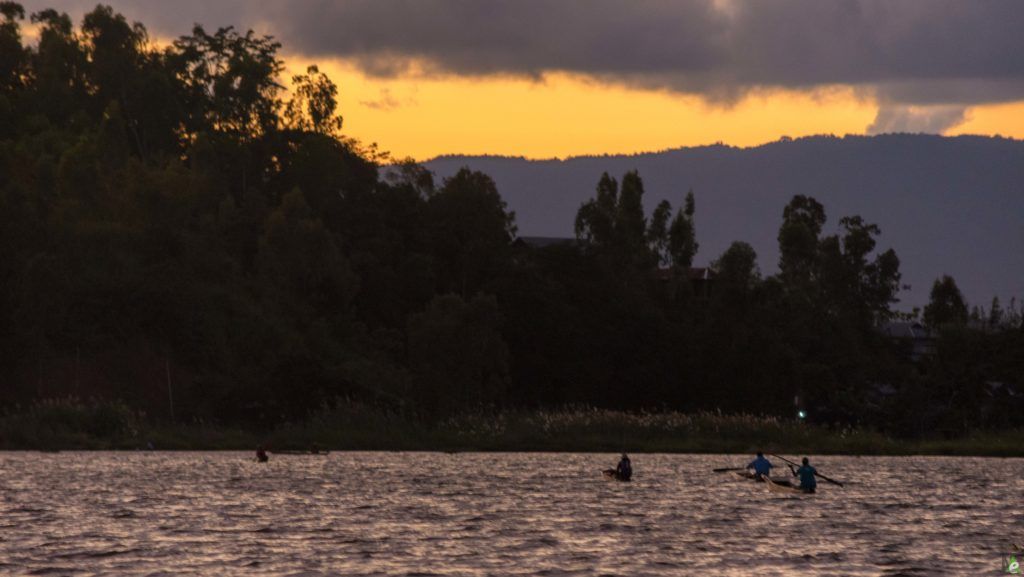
[[75, 424]]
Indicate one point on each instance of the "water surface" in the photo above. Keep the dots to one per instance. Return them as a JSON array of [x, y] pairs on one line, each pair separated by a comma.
[[221, 513]]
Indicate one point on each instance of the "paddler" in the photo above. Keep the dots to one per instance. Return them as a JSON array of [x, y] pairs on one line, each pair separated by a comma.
[[806, 473], [624, 470], [761, 466]]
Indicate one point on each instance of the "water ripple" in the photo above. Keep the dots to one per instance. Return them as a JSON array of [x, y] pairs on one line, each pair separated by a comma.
[[481, 514]]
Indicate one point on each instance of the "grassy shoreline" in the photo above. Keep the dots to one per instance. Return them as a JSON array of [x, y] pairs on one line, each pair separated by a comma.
[[72, 425]]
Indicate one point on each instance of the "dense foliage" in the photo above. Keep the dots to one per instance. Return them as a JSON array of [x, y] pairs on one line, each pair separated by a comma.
[[181, 234]]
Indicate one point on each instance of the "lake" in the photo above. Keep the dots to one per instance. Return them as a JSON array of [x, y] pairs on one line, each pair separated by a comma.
[[221, 513]]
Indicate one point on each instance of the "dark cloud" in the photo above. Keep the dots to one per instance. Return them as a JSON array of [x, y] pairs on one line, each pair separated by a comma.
[[907, 52]]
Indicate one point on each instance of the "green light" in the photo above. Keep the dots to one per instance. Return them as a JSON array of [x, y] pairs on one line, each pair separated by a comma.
[[801, 414]]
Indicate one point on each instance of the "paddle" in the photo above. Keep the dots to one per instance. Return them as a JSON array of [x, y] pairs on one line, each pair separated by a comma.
[[818, 475], [725, 469]]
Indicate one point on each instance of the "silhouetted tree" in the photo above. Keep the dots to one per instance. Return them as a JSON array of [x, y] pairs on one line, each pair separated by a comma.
[[596, 219], [458, 355], [683, 236], [802, 220], [229, 81], [946, 304], [13, 57], [299, 256], [470, 230], [737, 267], [314, 104], [658, 235], [58, 67], [163, 211]]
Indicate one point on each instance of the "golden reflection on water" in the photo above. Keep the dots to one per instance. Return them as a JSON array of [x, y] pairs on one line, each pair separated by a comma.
[[498, 514]]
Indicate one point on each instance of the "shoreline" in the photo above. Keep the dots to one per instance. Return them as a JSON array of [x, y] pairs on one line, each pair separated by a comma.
[[1006, 444], [326, 452], [73, 426]]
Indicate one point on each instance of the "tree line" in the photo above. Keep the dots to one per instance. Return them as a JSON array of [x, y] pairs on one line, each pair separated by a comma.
[[180, 232]]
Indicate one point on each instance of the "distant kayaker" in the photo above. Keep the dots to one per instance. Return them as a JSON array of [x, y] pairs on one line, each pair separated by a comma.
[[806, 473], [624, 470], [761, 466], [261, 454]]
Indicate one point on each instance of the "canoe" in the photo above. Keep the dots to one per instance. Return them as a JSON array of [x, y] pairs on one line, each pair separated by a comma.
[[785, 489], [777, 480], [747, 475], [612, 475], [311, 453]]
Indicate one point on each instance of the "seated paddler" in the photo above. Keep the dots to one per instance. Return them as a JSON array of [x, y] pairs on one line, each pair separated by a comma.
[[761, 466]]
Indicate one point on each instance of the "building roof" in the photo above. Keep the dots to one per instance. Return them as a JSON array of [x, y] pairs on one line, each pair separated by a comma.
[[906, 330]]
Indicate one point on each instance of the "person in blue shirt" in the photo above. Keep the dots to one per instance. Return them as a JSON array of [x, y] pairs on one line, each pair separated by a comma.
[[761, 466], [806, 473]]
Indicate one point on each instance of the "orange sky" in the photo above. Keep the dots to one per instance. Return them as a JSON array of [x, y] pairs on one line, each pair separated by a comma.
[[423, 116], [564, 115]]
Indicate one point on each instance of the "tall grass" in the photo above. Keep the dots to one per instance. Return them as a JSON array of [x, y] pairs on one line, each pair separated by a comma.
[[68, 423], [76, 424]]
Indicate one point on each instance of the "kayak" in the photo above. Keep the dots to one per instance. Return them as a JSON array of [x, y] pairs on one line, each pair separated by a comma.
[[775, 487], [312, 453], [752, 477], [613, 475]]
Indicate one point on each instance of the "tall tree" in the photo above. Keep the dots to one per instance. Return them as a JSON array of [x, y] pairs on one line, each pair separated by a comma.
[[58, 67], [683, 235], [299, 255], [13, 56], [802, 221], [995, 314], [230, 81], [630, 222], [658, 233], [946, 304], [861, 289], [471, 230], [458, 355], [613, 224], [596, 218], [314, 104], [737, 267]]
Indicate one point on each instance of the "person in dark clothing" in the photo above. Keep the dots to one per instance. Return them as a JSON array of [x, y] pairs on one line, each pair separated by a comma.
[[261, 454], [624, 470], [808, 484]]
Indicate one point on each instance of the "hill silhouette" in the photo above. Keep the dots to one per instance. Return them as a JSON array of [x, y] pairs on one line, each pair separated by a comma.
[[947, 205]]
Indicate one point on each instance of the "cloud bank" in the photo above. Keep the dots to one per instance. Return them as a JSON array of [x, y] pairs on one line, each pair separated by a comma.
[[938, 54]]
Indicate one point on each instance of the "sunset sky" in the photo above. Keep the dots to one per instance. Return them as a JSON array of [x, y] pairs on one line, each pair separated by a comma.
[[555, 79]]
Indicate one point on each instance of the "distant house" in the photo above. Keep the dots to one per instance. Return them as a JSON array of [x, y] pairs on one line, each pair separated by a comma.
[[916, 339], [701, 278]]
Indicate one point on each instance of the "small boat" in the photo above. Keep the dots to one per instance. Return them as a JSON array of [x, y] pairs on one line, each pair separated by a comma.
[[753, 477], [777, 487], [613, 475], [311, 453]]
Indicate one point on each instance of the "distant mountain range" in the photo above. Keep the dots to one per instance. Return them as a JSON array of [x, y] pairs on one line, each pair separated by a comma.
[[947, 205]]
